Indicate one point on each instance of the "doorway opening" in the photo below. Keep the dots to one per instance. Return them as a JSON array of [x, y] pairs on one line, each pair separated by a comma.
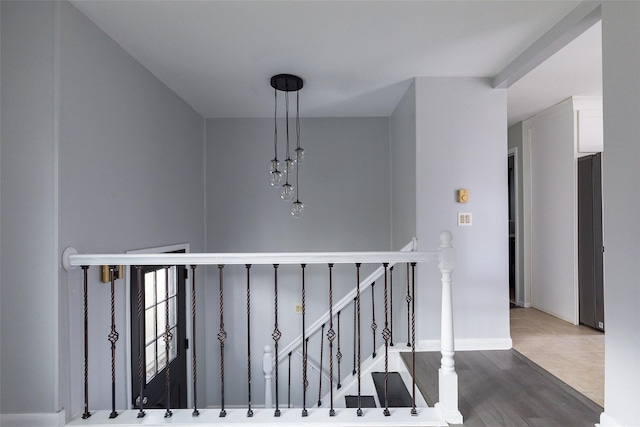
[[514, 267]]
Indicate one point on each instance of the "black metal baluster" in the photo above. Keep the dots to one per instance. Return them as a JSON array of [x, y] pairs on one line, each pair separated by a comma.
[[391, 303], [195, 412], [289, 384], [167, 339], [355, 327], [386, 335], [413, 338], [331, 335], [276, 334], [113, 337], [86, 413], [248, 266], [359, 411], [141, 342], [374, 326], [339, 354], [305, 382], [321, 353], [408, 299], [222, 336]]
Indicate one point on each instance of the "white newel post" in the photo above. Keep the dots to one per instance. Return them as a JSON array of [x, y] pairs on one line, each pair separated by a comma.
[[447, 376], [267, 368]]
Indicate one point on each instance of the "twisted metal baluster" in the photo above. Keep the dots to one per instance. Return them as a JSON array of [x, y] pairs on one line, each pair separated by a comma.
[[413, 338], [386, 335], [168, 336], [359, 411], [339, 353], [222, 336], [289, 383], [355, 327], [391, 303], [320, 370], [276, 334], [408, 299], [248, 266], [195, 412], [305, 382], [331, 335], [141, 342], [86, 413], [374, 326], [113, 337]]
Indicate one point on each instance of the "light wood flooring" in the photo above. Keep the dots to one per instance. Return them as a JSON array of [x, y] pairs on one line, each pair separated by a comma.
[[574, 354]]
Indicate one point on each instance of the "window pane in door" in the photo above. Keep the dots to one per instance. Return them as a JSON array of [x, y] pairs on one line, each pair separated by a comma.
[[149, 325], [173, 312], [149, 289], [172, 281], [150, 358], [173, 349], [161, 285], [161, 318]]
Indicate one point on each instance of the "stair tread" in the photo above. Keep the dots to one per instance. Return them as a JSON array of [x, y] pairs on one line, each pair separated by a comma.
[[397, 394], [365, 401]]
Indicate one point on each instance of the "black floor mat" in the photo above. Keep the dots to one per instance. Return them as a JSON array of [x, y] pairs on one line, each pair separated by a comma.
[[365, 401], [397, 394]]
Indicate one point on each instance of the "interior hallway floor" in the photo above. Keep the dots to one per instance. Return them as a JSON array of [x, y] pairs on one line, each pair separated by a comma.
[[574, 354]]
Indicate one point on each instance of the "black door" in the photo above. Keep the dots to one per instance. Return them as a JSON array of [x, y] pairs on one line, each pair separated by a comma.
[[163, 296], [590, 245]]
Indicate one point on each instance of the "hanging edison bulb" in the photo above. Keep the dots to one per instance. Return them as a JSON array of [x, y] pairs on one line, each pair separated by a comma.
[[275, 178], [297, 209], [287, 192]]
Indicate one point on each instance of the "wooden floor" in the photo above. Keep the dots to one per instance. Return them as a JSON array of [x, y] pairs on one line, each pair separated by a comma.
[[503, 388]]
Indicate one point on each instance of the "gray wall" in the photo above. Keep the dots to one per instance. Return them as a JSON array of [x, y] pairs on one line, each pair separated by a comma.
[[124, 170], [29, 313], [402, 135], [345, 188], [131, 176], [621, 97], [515, 140], [462, 143]]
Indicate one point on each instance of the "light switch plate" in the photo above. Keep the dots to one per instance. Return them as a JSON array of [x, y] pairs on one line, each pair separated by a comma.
[[465, 219]]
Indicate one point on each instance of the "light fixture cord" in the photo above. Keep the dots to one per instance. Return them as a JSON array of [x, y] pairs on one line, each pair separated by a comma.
[[275, 125], [298, 119], [286, 168], [298, 139]]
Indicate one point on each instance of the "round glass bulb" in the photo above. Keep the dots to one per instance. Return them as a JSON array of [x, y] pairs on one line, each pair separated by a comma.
[[297, 209], [288, 165], [286, 192], [299, 155], [275, 178], [274, 165]]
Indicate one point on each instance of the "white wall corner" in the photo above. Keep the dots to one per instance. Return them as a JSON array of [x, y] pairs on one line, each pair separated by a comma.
[[607, 421]]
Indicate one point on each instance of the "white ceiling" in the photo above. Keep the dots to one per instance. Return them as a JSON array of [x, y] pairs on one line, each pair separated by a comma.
[[356, 57]]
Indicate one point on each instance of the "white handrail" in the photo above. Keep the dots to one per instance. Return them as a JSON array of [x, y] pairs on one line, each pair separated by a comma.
[[71, 259], [365, 284]]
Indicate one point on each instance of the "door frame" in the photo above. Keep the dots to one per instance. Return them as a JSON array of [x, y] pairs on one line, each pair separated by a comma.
[[154, 250], [519, 297]]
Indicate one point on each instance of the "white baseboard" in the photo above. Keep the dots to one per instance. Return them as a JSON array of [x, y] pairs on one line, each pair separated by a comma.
[[469, 344], [607, 421], [52, 419]]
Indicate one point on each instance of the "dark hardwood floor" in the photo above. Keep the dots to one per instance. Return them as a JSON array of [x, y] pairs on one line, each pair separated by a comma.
[[503, 388]]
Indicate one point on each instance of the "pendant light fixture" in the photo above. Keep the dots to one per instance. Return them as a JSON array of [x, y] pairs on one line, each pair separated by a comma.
[[278, 173]]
